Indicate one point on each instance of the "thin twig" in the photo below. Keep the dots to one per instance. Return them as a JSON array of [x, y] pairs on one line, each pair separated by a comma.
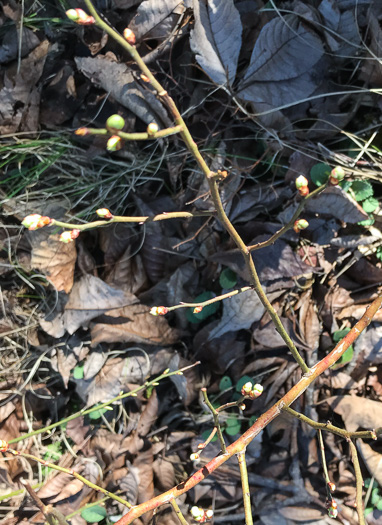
[[358, 482], [178, 512], [245, 487], [132, 136], [215, 415]]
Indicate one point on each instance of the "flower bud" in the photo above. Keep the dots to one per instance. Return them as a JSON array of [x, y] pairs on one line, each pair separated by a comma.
[[331, 486], [257, 390], [194, 456], [145, 78], [35, 221], [80, 17], [115, 122], [209, 514], [129, 36], [82, 132], [114, 143], [69, 236], [4, 445], [158, 310], [152, 128], [300, 224], [337, 173], [332, 512], [301, 182], [246, 389], [333, 181], [242, 406], [197, 309], [104, 213]]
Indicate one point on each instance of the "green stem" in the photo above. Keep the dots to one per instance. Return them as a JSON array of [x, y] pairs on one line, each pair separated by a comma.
[[211, 301], [358, 482], [72, 473], [133, 393], [245, 486], [133, 136], [215, 415], [178, 512], [210, 176]]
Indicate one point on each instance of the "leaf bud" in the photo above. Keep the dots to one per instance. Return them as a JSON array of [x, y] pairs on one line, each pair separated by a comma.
[[82, 132], [194, 456], [197, 513], [158, 310], [35, 221], [115, 122], [257, 390], [242, 406], [246, 389], [337, 173], [300, 224], [197, 309], [332, 512], [152, 128], [80, 17], [301, 182], [331, 486], [209, 514], [114, 143], [129, 36], [104, 213], [69, 236], [145, 78], [304, 191]]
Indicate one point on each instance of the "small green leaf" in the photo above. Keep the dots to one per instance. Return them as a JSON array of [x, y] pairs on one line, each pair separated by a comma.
[[97, 413], [78, 372], [378, 253], [370, 205], [242, 381], [348, 355], [225, 383], [320, 173], [362, 190], [345, 185], [207, 311], [375, 496], [233, 426], [368, 510], [367, 222], [340, 334], [228, 278], [379, 504], [94, 514]]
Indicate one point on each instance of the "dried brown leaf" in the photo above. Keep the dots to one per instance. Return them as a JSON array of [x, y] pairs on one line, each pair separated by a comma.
[[164, 471], [149, 415], [144, 463], [54, 259], [372, 459], [334, 201], [357, 412], [132, 324]]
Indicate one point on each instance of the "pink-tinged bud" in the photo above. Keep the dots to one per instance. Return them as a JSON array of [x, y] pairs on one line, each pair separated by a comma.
[[194, 456], [300, 224], [145, 78], [246, 389], [104, 213], [333, 181], [158, 310], [242, 407], [197, 309], [304, 191], [332, 513], [35, 221], [338, 173], [69, 236], [114, 143], [152, 128], [257, 390], [209, 514], [80, 17], [331, 486], [115, 122], [129, 36], [373, 435], [4, 445], [301, 182], [82, 132]]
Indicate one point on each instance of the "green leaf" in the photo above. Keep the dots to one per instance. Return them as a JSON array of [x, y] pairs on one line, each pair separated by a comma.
[[252, 420], [362, 190], [78, 372], [242, 381], [94, 514], [320, 173], [228, 278], [97, 413], [378, 253], [379, 504], [225, 383], [233, 426], [348, 355], [367, 222], [375, 496], [207, 311], [370, 205], [340, 334], [368, 510]]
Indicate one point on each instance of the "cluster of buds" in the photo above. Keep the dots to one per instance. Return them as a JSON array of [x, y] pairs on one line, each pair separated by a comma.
[[251, 391], [222, 174], [4, 445], [114, 143], [300, 224], [115, 122], [129, 36], [69, 236], [336, 175], [302, 185], [201, 515], [152, 128], [80, 17], [331, 505], [158, 310], [197, 309], [104, 213], [35, 221]]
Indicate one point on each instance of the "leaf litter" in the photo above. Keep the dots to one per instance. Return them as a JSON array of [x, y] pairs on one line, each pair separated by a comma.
[[95, 337]]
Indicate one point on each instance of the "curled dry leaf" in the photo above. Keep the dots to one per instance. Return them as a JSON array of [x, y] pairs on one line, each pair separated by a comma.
[[334, 201], [133, 324], [372, 459], [357, 412]]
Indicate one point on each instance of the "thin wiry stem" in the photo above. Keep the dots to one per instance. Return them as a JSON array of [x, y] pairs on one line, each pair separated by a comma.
[[215, 415], [358, 482], [178, 512], [245, 487]]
